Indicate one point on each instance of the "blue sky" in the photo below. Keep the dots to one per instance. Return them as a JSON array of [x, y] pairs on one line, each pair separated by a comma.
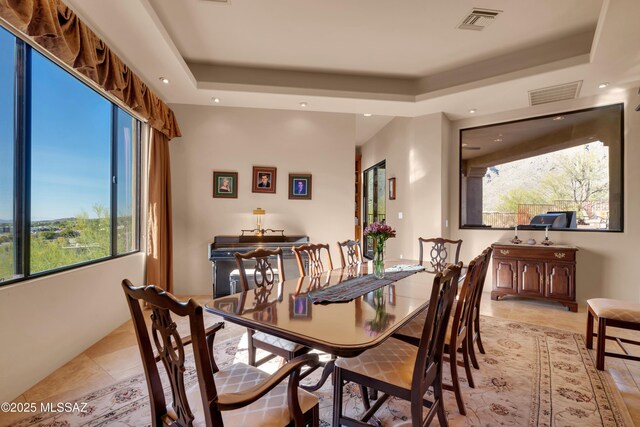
[[70, 134]]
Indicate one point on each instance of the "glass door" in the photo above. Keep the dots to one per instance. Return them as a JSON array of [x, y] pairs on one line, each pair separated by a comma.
[[374, 179]]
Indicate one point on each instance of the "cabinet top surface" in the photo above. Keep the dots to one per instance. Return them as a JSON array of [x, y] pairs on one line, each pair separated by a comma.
[[536, 246]]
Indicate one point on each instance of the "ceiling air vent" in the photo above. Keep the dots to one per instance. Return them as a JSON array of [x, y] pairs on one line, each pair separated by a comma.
[[478, 19], [555, 93]]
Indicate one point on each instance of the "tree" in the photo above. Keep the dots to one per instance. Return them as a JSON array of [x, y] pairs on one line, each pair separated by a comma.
[[516, 196]]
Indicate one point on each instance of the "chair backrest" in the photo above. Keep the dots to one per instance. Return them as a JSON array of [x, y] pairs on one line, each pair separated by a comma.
[[483, 275], [170, 349], [313, 253], [466, 299], [353, 250], [263, 273], [428, 365], [440, 252]]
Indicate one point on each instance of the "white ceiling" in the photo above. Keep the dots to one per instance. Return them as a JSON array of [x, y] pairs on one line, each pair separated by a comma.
[[383, 57]]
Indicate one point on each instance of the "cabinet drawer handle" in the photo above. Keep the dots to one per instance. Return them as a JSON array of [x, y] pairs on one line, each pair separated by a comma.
[[504, 251], [559, 255]]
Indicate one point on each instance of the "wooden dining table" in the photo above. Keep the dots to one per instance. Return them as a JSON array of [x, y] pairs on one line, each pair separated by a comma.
[[343, 329]]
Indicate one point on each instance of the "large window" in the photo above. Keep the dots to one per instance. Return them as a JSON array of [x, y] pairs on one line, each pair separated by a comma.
[[69, 168], [563, 172]]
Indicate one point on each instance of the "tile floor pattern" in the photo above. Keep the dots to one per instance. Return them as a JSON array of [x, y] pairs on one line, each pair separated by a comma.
[[116, 356]]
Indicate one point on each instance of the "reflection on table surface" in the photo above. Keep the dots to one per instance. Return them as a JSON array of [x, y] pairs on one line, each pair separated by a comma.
[[344, 329]]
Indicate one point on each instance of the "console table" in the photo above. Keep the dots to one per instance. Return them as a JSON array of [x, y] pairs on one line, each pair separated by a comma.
[[536, 271]]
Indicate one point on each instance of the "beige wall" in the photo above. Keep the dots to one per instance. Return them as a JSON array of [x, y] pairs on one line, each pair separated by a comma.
[[235, 139], [48, 321], [605, 260], [416, 153]]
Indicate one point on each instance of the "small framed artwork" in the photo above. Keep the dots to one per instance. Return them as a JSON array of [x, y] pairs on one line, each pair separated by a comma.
[[225, 184], [300, 186], [264, 179], [299, 307], [392, 188]]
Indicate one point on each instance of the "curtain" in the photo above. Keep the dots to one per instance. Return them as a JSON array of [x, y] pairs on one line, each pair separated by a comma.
[[55, 27], [159, 229]]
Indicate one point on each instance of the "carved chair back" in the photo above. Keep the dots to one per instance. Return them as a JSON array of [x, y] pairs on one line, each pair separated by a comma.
[[428, 365], [442, 252], [466, 299], [259, 262], [170, 348], [313, 254], [353, 252]]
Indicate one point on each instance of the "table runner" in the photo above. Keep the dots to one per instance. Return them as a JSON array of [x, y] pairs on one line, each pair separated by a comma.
[[353, 288]]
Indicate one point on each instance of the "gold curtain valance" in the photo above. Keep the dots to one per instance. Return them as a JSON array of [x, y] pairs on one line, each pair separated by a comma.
[[55, 27]]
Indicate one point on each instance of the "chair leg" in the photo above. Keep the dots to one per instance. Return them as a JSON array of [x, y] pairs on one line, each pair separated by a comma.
[[467, 364], [315, 416], [438, 399], [455, 381], [589, 342], [365, 397], [472, 352], [476, 328], [337, 396], [602, 342], [251, 349]]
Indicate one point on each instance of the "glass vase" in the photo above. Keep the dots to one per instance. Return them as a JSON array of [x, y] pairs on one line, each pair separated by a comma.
[[378, 259]]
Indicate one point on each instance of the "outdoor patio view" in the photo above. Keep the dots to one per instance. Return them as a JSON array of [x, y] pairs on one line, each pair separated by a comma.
[[573, 179]]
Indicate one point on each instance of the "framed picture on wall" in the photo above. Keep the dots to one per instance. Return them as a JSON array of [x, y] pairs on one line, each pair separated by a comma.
[[264, 179], [225, 184], [392, 188], [300, 186]]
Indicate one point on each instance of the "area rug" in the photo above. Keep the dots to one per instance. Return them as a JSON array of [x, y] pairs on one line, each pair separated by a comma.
[[530, 376]]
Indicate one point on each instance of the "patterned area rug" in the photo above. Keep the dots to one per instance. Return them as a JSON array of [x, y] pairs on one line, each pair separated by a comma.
[[530, 376]]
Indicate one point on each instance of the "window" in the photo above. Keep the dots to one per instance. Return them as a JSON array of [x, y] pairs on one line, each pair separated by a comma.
[[375, 179], [563, 172], [69, 172]]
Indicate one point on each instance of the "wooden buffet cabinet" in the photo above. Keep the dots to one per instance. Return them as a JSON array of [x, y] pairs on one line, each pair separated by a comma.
[[537, 271]]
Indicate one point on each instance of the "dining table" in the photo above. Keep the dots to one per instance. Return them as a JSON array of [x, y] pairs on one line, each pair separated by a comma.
[[291, 309]]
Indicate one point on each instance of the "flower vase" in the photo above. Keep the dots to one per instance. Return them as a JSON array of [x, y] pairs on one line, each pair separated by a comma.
[[378, 259]]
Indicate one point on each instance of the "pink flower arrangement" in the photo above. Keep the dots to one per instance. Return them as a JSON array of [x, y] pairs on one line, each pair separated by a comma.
[[379, 231]]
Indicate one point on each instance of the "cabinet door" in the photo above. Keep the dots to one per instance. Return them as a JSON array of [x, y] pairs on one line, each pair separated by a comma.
[[504, 275], [531, 278], [560, 280]]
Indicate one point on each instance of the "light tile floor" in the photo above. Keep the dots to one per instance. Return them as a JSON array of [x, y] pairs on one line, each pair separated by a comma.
[[116, 356]]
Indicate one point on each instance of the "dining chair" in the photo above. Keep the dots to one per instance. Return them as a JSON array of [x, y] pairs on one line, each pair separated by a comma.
[[259, 265], [474, 334], [353, 251], [313, 254], [458, 330], [238, 394], [400, 369], [441, 252]]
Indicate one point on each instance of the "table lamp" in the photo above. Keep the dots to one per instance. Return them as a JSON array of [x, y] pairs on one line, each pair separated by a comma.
[[258, 212]]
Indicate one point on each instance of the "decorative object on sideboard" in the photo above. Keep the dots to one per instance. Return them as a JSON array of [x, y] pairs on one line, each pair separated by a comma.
[[300, 186], [515, 239], [531, 242], [225, 185], [546, 240], [259, 231], [264, 179]]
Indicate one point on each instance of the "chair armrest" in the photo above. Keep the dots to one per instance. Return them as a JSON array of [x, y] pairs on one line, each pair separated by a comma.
[[230, 401], [209, 333]]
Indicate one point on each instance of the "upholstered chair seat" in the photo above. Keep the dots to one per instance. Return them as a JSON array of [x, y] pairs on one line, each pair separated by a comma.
[[270, 410], [612, 313], [277, 342]]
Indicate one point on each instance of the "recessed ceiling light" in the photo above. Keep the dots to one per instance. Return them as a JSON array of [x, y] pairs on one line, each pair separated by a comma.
[[164, 80], [472, 111], [557, 118], [303, 104], [216, 100], [603, 85], [497, 140], [367, 114]]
